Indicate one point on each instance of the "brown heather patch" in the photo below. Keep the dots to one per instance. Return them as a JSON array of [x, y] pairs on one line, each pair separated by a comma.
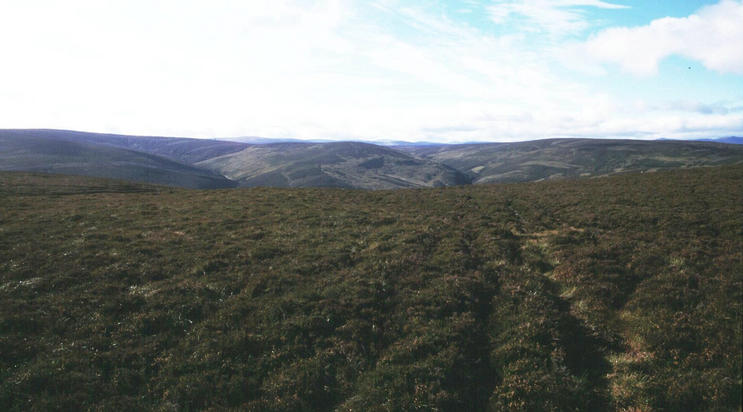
[[622, 293]]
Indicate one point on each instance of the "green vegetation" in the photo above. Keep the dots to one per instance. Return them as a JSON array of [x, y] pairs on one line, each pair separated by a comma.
[[618, 293]]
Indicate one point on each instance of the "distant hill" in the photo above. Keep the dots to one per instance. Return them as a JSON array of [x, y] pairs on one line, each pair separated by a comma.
[[338, 164], [29, 151], [729, 140], [156, 159], [184, 150], [559, 158], [206, 163], [268, 140]]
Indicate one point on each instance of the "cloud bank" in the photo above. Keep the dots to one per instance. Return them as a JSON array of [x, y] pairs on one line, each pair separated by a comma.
[[554, 17], [712, 36], [335, 69]]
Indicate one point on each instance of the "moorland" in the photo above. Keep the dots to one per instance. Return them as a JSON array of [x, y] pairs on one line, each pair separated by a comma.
[[614, 293]]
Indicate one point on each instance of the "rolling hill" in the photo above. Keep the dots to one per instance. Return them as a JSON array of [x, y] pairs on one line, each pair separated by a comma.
[[49, 154], [339, 164], [728, 139], [560, 158], [204, 163], [183, 150]]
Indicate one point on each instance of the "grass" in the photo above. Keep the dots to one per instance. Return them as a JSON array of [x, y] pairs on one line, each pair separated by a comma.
[[620, 293]]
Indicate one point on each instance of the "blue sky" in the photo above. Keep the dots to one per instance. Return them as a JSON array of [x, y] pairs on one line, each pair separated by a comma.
[[423, 70]]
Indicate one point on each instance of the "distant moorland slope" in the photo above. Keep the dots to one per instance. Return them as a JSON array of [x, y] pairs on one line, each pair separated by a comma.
[[341, 164], [31, 152], [729, 139], [208, 163], [620, 293], [559, 158], [184, 150]]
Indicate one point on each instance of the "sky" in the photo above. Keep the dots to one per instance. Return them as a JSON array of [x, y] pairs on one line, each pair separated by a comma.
[[376, 70]]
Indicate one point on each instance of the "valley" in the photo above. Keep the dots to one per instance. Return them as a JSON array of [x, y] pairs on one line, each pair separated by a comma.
[[210, 163]]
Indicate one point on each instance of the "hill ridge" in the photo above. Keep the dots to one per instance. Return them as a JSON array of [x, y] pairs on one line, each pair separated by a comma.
[[350, 164]]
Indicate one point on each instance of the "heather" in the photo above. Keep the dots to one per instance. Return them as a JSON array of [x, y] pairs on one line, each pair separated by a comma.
[[613, 293]]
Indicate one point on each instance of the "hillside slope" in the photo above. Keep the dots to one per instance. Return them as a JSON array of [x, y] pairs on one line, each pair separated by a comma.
[[342, 164], [556, 158], [213, 163], [619, 293], [728, 139], [31, 152], [183, 150]]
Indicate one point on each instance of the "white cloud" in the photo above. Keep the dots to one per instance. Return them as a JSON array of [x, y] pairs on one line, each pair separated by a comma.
[[712, 36], [553, 17], [328, 69]]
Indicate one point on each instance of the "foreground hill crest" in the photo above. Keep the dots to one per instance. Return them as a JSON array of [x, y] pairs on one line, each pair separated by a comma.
[[616, 294]]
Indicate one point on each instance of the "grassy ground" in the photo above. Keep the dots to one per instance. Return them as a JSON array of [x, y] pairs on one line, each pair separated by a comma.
[[620, 293]]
